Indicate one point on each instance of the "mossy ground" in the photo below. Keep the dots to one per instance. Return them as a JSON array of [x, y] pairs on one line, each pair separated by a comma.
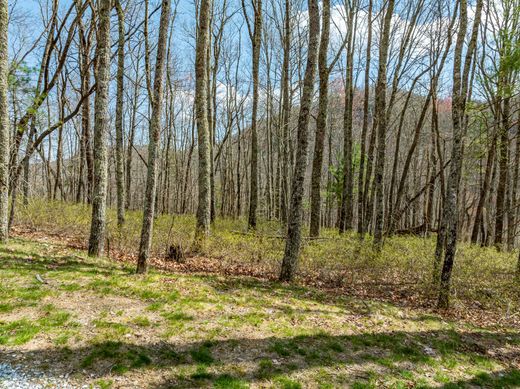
[[97, 321]]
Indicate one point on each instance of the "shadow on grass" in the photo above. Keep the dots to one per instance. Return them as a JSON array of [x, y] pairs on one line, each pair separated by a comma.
[[271, 357], [32, 261], [285, 291], [29, 260], [509, 378]]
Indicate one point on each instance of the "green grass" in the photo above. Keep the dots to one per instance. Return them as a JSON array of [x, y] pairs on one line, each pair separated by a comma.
[[404, 266], [202, 354], [142, 321], [229, 332], [229, 382], [17, 332]]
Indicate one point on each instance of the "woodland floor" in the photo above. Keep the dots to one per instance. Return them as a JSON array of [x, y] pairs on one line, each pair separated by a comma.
[[96, 323]]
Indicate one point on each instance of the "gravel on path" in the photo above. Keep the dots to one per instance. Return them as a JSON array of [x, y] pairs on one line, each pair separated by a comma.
[[16, 377]]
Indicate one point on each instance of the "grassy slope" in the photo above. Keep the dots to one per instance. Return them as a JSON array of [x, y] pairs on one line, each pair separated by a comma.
[[100, 323], [483, 279]]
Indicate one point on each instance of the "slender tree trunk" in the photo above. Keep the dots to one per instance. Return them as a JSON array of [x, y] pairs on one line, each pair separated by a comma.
[[321, 122], [101, 123], [203, 131], [58, 184], [293, 242], [27, 167], [4, 123], [130, 146], [460, 90], [347, 193], [153, 145], [239, 179], [119, 115], [503, 155], [483, 193], [286, 114], [381, 119], [513, 212], [255, 35], [364, 130], [86, 143]]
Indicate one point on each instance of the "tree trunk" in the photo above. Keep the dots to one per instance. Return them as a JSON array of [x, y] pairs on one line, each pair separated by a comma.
[[203, 131], [477, 226], [321, 122], [503, 155], [255, 35], [153, 145], [361, 193], [513, 212], [292, 245], [4, 123], [347, 193], [119, 115], [101, 125], [458, 107], [286, 115], [381, 120]]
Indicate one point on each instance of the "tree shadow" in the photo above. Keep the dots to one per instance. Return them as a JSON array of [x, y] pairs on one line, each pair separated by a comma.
[[270, 357], [28, 260], [509, 378], [283, 291]]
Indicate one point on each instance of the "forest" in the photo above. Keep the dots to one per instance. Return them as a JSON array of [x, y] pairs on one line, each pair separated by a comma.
[[259, 193]]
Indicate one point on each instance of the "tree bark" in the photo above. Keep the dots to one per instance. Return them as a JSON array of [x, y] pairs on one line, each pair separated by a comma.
[[321, 122], [293, 242], [255, 34], [203, 131], [361, 192], [381, 121], [153, 145], [119, 115], [460, 90], [4, 122], [503, 156], [101, 123], [347, 193], [286, 115], [484, 192]]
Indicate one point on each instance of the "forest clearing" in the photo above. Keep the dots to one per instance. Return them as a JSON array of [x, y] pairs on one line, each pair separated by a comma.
[[259, 194], [93, 322], [225, 322]]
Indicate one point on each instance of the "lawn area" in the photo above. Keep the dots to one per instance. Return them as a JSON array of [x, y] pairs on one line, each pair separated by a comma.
[[97, 323]]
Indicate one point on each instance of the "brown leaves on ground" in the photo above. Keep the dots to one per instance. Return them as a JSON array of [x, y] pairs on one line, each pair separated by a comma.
[[389, 287]]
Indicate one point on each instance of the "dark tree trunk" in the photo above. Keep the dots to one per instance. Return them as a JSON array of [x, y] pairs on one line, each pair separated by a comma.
[[292, 245], [460, 91], [381, 123], [321, 123]]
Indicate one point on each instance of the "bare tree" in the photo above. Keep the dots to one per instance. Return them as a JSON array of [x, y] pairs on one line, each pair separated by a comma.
[[255, 34], [321, 121], [448, 235], [101, 123], [153, 139], [201, 108], [293, 242], [119, 114], [381, 123], [4, 123]]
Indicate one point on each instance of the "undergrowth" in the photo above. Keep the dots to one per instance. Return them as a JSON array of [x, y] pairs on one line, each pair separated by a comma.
[[482, 278]]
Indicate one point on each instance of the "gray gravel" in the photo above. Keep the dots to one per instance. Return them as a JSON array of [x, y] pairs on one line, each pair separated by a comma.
[[14, 377]]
